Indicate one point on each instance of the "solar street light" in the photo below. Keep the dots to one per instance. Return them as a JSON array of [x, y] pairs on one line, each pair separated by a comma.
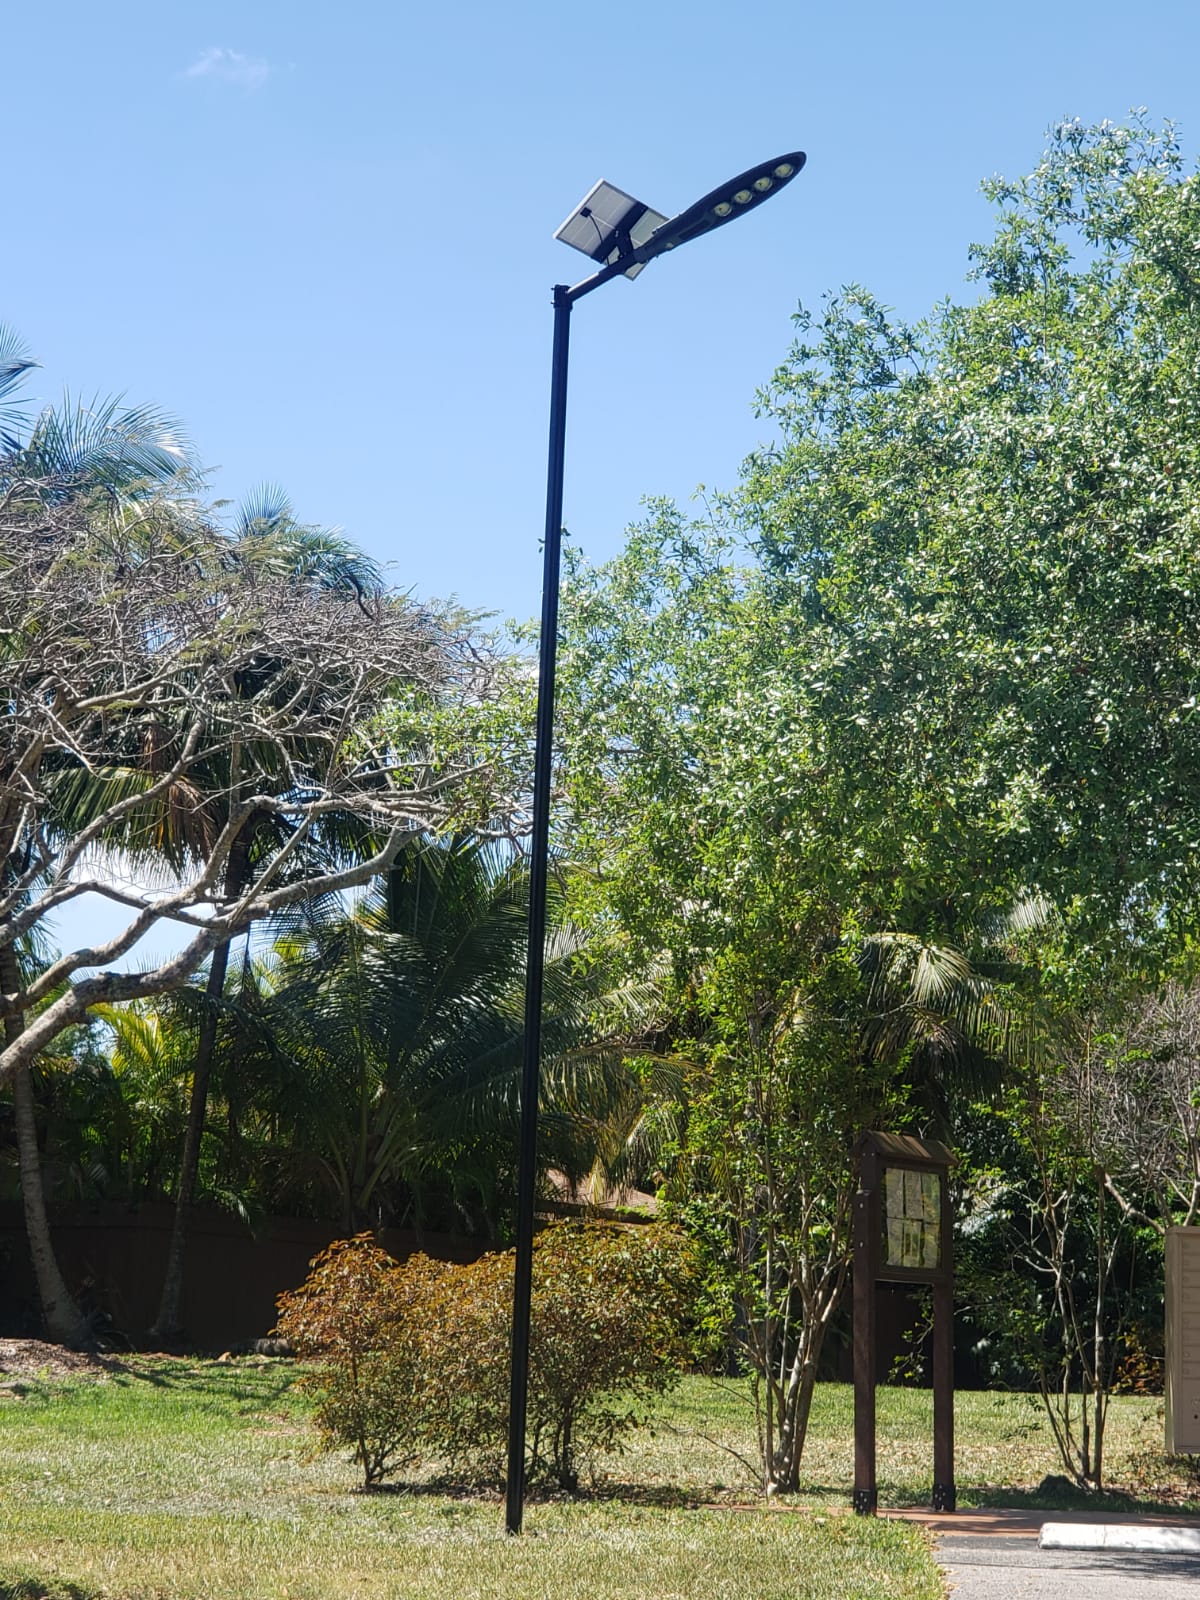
[[624, 235]]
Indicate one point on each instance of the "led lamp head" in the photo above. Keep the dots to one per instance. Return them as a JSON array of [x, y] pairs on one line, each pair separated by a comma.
[[623, 234]]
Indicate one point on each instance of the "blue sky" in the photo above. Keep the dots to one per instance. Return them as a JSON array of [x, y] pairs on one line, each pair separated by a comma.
[[323, 236]]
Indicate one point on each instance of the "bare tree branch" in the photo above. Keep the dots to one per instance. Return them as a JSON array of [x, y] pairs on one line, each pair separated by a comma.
[[168, 688]]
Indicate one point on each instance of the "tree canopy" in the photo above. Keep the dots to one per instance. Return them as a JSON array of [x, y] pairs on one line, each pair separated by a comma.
[[988, 524], [900, 735]]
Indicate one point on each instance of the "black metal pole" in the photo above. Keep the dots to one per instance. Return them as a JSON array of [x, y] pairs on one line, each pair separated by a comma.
[[539, 851]]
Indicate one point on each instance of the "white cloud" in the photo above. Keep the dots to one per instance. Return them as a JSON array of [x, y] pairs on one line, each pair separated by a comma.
[[230, 66]]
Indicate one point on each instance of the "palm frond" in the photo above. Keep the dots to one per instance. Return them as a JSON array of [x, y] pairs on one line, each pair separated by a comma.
[[104, 446], [333, 563], [266, 524], [265, 510], [1028, 915], [15, 362], [929, 973], [408, 1008]]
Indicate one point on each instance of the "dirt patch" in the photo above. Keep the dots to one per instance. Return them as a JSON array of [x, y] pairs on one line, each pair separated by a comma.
[[34, 1358]]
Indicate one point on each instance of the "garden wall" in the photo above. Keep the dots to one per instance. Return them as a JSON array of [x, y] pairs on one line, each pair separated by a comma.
[[114, 1259]]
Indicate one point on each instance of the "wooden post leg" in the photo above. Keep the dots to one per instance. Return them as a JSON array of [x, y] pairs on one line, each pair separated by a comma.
[[866, 1494]]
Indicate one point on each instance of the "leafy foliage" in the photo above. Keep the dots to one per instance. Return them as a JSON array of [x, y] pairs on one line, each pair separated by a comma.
[[1059, 1271], [700, 790], [399, 1025], [943, 723], [415, 1359], [350, 1313], [988, 524]]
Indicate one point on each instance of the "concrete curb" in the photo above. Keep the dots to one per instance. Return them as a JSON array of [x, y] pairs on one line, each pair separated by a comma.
[[1116, 1536]]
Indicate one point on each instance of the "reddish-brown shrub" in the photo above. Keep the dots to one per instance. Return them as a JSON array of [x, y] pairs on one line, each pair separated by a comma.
[[416, 1358], [350, 1313]]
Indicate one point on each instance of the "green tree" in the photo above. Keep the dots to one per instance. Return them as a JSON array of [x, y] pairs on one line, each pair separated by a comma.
[[699, 790], [1055, 1269], [322, 562], [961, 674], [180, 694], [65, 458], [988, 523]]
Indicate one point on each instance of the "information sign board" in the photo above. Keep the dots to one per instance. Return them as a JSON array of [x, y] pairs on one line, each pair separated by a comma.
[[912, 1219], [1183, 1341], [903, 1233]]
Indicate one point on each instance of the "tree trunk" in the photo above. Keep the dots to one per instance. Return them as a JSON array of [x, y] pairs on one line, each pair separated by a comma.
[[168, 1324], [237, 1058], [62, 1317], [784, 1465]]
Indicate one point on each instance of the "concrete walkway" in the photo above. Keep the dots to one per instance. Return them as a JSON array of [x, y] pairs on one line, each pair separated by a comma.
[[1000, 1521], [995, 1555], [1014, 1567]]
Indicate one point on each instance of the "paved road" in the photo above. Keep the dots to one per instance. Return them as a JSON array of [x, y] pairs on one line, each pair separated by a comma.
[[1001, 1567]]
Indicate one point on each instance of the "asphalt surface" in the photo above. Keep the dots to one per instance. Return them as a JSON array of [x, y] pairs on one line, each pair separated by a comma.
[[1008, 1567]]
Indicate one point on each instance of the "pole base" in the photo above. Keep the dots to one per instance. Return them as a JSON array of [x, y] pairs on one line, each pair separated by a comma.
[[865, 1502], [944, 1497]]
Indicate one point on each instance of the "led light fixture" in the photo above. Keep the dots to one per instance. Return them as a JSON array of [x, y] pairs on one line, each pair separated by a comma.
[[623, 234]]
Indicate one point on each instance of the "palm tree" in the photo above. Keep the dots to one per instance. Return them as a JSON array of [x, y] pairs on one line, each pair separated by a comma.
[[268, 533], [149, 1050], [104, 467], [948, 1007], [15, 363], [112, 1102], [177, 829], [403, 1018]]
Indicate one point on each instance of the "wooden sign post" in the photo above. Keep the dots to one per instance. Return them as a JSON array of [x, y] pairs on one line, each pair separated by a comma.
[[903, 1233]]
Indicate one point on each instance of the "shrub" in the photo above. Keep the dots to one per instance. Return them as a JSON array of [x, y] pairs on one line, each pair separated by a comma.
[[415, 1359], [611, 1309], [350, 1313]]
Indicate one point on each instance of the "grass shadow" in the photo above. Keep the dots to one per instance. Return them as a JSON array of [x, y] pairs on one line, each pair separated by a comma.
[[1120, 1502], [27, 1586], [662, 1496], [600, 1492], [212, 1380], [432, 1489]]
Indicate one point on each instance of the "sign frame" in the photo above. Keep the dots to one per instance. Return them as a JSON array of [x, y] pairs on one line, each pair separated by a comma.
[[877, 1153]]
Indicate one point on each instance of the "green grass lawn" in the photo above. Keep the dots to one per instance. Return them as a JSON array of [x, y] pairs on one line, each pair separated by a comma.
[[175, 1480], [1003, 1450]]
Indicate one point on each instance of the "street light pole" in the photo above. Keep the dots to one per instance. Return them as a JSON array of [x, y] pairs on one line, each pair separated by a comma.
[[535, 964], [624, 235]]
